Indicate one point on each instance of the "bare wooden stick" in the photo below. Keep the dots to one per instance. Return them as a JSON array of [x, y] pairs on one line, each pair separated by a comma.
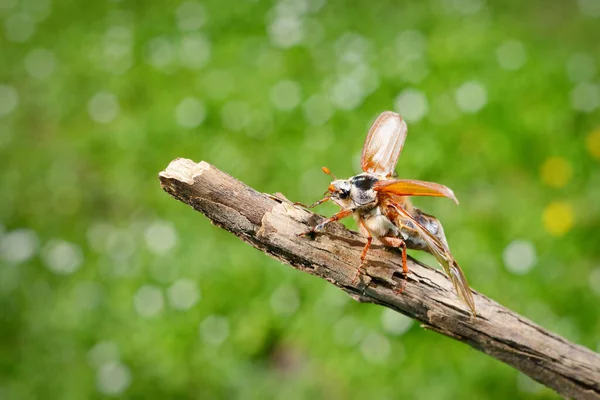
[[272, 224]]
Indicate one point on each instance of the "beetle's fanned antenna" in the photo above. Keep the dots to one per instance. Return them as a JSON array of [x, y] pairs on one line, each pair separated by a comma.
[[328, 172]]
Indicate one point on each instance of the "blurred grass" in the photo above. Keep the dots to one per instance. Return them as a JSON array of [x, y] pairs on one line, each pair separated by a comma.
[[82, 169]]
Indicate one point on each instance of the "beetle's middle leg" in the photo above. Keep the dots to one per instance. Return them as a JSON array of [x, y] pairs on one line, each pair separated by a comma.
[[365, 232], [395, 242]]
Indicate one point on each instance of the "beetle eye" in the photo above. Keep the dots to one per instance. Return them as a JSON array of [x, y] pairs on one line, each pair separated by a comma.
[[343, 194]]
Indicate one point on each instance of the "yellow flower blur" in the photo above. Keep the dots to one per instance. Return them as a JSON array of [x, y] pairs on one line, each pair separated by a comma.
[[556, 172], [592, 143], [558, 218]]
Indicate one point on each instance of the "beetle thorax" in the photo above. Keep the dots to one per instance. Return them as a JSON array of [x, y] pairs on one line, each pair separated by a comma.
[[354, 193]]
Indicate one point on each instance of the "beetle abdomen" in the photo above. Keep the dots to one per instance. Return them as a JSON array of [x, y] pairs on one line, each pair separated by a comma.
[[432, 224], [377, 223]]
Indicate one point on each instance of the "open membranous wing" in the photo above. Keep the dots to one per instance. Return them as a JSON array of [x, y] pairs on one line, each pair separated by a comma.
[[438, 249], [383, 144]]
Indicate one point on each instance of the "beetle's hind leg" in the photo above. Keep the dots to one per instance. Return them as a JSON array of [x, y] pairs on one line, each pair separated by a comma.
[[398, 243]]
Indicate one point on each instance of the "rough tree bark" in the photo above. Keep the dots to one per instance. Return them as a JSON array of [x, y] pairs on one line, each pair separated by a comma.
[[271, 224]]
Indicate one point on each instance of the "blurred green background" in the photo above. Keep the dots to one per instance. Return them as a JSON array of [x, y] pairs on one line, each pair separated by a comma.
[[108, 287]]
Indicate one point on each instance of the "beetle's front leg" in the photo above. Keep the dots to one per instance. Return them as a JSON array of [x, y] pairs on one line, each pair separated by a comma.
[[316, 203], [335, 217]]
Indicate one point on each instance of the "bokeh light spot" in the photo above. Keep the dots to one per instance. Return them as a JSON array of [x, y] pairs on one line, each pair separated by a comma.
[[347, 93], [444, 109], [558, 218], [118, 39], [316, 5], [285, 32], [148, 301], [511, 55], [18, 246], [291, 7], [88, 294], [235, 115], [375, 348], [413, 70], [7, 4], [218, 84], [190, 16], [352, 49], [120, 244], [183, 294], [581, 67], [160, 53], [347, 331], [412, 105], [260, 124], [113, 378], [285, 300], [467, 7], [103, 107], [11, 277], [317, 109], [556, 172], [97, 235], [19, 27], [591, 8], [411, 44], [286, 95], [9, 99], [39, 9], [214, 330], [161, 237], [116, 54], [190, 113], [313, 32], [592, 142], [104, 352], [519, 257], [585, 97], [40, 63], [61, 257], [471, 97], [367, 78], [395, 323], [194, 51], [594, 280]]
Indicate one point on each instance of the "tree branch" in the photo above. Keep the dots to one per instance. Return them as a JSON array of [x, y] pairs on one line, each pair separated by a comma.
[[271, 224]]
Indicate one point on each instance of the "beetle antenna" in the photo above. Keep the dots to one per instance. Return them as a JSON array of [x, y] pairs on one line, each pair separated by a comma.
[[328, 172]]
